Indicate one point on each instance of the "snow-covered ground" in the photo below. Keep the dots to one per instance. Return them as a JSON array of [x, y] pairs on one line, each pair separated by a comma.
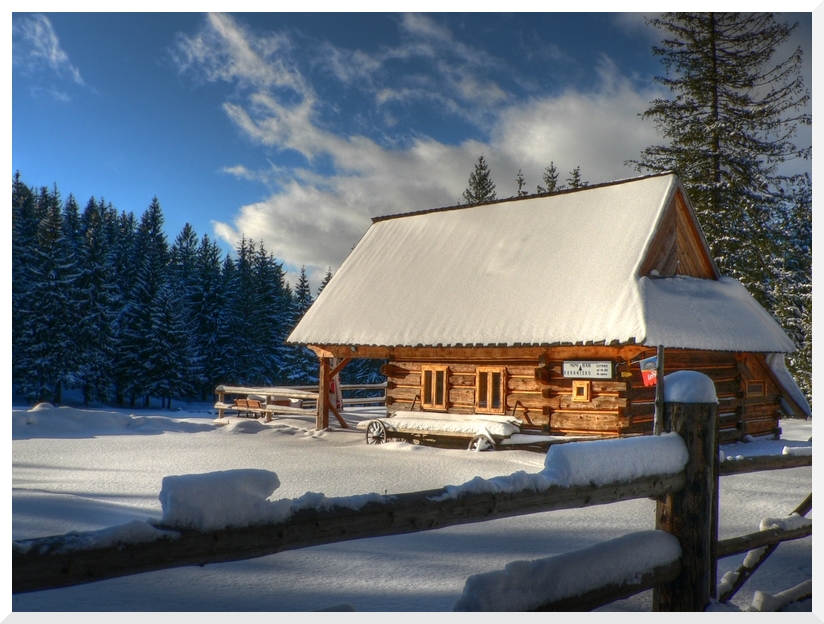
[[80, 470]]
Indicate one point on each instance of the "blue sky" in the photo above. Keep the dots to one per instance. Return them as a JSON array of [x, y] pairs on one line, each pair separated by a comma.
[[296, 129]]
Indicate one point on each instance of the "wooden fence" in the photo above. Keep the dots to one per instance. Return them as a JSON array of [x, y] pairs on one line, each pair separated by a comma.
[[687, 507], [308, 396]]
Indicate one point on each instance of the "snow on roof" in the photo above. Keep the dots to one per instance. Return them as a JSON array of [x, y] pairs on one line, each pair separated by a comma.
[[776, 363], [555, 269]]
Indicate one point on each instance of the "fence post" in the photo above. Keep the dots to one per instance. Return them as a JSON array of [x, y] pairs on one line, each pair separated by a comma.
[[691, 514]]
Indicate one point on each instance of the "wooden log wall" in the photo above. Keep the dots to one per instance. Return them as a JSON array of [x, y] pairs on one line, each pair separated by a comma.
[[538, 393], [738, 413]]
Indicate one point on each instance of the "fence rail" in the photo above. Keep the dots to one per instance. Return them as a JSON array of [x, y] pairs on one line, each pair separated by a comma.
[[51, 562]]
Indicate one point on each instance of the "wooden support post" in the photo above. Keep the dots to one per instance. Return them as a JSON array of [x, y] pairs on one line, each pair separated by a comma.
[[322, 419], [688, 514], [657, 425]]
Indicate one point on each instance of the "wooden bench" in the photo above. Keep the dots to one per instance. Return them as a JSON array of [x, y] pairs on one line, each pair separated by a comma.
[[249, 407]]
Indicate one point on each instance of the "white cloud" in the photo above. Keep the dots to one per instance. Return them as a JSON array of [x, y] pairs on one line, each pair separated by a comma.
[[314, 220], [36, 48]]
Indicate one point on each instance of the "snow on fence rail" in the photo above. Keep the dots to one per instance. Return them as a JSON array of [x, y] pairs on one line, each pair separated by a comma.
[[247, 525]]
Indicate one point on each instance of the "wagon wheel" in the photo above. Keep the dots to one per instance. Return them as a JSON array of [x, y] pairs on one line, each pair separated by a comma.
[[375, 432], [481, 443]]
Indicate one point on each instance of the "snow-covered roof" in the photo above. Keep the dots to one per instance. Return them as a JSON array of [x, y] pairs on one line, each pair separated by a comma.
[[544, 270]]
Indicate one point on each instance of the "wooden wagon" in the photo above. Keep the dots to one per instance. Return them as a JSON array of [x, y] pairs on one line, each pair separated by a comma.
[[480, 432]]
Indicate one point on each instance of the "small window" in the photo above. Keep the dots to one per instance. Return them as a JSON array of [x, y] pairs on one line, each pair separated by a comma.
[[490, 390], [581, 390], [755, 388], [434, 387]]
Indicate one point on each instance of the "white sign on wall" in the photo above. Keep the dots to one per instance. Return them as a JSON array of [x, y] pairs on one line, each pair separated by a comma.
[[586, 369]]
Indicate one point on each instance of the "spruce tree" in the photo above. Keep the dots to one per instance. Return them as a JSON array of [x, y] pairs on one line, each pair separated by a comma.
[[208, 301], [99, 305], [519, 180], [550, 178], [45, 354], [574, 180], [301, 363], [481, 188], [326, 279]]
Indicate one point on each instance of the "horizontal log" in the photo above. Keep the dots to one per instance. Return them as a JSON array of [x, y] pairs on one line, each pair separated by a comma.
[[405, 378], [462, 380], [462, 396], [688, 359], [522, 384], [730, 420], [582, 421], [644, 427], [597, 385], [404, 393], [760, 427], [546, 376], [591, 600], [45, 563], [529, 401], [768, 537], [601, 402], [769, 398], [758, 412], [727, 436], [763, 462], [639, 409]]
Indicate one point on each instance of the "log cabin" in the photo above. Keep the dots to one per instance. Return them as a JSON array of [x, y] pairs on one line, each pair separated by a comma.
[[543, 306]]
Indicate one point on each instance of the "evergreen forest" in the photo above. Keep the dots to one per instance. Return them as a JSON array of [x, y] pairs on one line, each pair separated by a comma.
[[104, 305]]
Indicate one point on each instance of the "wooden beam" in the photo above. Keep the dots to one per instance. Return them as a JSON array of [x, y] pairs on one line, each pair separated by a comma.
[[320, 351], [52, 562], [337, 415], [588, 601], [341, 365], [625, 352], [763, 462], [768, 537]]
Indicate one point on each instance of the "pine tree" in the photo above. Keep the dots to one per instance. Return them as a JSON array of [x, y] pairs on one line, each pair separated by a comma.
[[152, 253], [98, 305], [45, 354], [481, 188], [326, 279], [272, 316], [550, 178], [301, 363], [519, 180], [208, 302], [729, 125], [183, 281], [574, 180], [303, 293]]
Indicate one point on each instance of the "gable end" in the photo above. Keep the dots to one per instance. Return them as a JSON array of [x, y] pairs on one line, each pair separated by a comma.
[[679, 247]]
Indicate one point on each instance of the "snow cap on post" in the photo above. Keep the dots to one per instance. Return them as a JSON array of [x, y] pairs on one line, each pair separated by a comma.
[[689, 387]]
